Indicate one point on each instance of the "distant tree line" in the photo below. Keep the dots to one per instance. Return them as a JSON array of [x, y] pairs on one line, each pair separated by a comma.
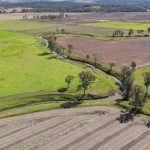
[[76, 7], [45, 17]]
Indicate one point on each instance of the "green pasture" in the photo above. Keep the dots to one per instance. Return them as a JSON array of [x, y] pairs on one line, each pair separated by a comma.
[[120, 25], [27, 67]]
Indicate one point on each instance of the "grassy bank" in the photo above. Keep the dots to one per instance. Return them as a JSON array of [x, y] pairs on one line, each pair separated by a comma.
[[53, 105]]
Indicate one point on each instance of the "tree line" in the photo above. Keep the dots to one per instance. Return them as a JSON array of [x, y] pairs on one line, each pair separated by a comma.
[[76, 7], [131, 33], [132, 91], [45, 17]]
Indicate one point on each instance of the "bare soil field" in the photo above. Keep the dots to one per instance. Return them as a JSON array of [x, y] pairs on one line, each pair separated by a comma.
[[121, 52], [94, 128]]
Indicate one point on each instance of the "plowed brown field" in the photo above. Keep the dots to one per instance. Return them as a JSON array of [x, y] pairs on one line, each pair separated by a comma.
[[121, 52], [94, 128]]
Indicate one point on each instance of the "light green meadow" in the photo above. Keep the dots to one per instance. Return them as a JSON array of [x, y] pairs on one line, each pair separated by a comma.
[[120, 25]]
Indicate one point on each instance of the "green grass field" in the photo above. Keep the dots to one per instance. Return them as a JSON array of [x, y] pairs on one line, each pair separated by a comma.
[[26, 71], [139, 75], [25, 26], [23, 68], [119, 25]]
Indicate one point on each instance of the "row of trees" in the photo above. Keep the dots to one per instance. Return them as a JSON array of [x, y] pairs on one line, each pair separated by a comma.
[[46, 17], [133, 91], [131, 32]]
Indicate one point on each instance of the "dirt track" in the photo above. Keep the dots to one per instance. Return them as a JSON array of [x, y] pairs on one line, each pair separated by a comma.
[[79, 129], [121, 52]]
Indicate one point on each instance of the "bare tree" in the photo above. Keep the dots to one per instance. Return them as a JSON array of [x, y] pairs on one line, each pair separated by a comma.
[[133, 65], [95, 59], [111, 66], [87, 57]]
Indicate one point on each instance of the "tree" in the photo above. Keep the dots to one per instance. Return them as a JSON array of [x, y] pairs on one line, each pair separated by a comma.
[[95, 60], [86, 79], [133, 65], [51, 42], [62, 31], [118, 33], [69, 79], [114, 35], [58, 50], [126, 72], [127, 80], [87, 57], [147, 81], [111, 66], [140, 32], [128, 84], [70, 47], [148, 30], [131, 32], [138, 96]]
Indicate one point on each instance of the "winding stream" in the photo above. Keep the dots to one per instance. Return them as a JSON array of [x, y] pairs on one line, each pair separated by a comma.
[[117, 81]]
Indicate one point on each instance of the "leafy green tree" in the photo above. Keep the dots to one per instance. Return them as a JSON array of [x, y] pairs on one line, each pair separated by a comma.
[[114, 35], [63, 31], [127, 80], [118, 33], [58, 50], [138, 96], [131, 32], [51, 42], [148, 30], [126, 72], [140, 32], [86, 79], [69, 79], [146, 76]]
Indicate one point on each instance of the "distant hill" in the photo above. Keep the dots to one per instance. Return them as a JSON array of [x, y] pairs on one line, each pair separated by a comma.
[[84, 1]]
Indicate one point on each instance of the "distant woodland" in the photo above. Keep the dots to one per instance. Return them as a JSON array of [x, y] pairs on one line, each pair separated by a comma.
[[76, 7]]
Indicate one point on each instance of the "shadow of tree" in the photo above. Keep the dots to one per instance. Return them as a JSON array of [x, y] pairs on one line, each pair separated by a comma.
[[44, 54], [147, 124], [53, 57], [62, 90], [70, 104], [126, 117]]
